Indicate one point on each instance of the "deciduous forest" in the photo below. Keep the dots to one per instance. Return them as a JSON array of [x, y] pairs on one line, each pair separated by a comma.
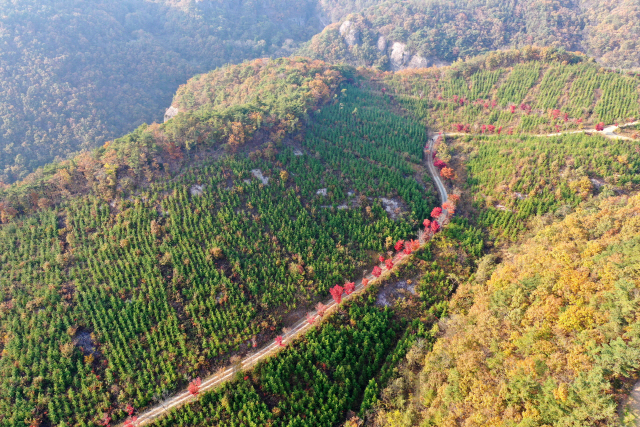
[[392, 35]]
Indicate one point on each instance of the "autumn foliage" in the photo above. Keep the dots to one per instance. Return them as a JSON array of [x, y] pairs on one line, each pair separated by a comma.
[[349, 287], [447, 173], [321, 309], [336, 292], [194, 386], [439, 164], [377, 271], [570, 338]]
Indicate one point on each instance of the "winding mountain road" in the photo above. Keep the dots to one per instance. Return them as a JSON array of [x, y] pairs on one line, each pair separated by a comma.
[[303, 325]]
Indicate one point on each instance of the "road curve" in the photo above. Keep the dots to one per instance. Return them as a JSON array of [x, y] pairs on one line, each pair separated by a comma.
[[435, 174]]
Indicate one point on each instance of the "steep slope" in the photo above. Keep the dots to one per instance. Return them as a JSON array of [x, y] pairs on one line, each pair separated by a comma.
[[128, 164], [165, 254], [545, 336], [533, 90], [396, 35]]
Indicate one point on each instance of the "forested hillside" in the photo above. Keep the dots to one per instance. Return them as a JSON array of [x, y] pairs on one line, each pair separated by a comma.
[[131, 270], [545, 335], [539, 91], [76, 74], [394, 35], [128, 271]]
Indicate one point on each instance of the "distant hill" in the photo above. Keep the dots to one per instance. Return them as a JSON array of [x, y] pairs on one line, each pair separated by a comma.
[[74, 74], [394, 35]]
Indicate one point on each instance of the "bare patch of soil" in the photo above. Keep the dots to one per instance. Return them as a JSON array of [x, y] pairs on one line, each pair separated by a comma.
[[85, 343], [390, 294]]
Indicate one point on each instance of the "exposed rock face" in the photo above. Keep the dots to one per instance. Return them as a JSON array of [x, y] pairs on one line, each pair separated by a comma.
[[382, 44], [399, 56], [418, 62], [401, 59], [350, 33], [170, 113]]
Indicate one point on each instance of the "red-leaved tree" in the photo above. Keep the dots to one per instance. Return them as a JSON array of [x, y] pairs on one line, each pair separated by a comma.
[[336, 293], [381, 258], [310, 318], [130, 422], [130, 409], [349, 287], [407, 250], [435, 226], [377, 271], [389, 264], [415, 245], [600, 127], [321, 309], [399, 245], [279, 339], [439, 164], [426, 223], [436, 212], [447, 173], [194, 386], [365, 282], [449, 207]]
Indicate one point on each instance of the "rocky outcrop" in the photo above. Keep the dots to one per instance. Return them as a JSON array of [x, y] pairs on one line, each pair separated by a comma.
[[382, 44], [418, 62], [399, 57], [350, 33], [170, 113]]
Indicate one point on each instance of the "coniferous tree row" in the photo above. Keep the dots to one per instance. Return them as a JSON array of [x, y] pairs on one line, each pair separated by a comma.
[[345, 361], [530, 96], [516, 178]]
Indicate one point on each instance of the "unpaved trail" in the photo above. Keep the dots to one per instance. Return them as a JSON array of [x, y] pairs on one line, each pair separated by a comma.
[[629, 410], [607, 132], [444, 196]]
